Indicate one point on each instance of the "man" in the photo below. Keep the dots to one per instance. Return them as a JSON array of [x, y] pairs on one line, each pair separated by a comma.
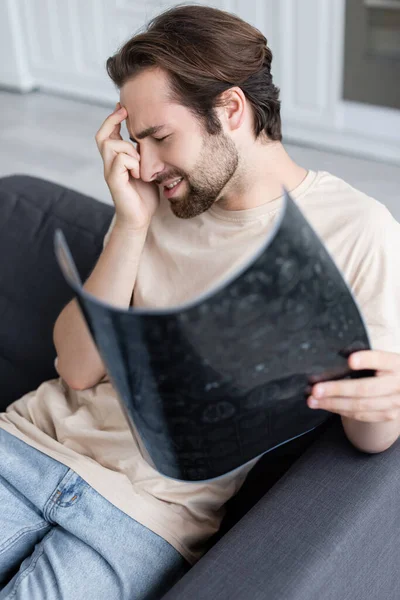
[[194, 196]]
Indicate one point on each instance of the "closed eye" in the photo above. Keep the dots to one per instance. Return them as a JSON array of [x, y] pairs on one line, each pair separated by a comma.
[[161, 139]]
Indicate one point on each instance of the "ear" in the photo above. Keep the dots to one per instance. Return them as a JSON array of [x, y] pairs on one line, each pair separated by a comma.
[[232, 108]]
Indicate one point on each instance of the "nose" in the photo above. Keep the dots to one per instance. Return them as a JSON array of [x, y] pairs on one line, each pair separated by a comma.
[[150, 164]]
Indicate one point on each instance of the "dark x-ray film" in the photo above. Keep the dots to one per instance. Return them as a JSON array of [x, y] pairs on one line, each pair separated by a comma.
[[212, 384]]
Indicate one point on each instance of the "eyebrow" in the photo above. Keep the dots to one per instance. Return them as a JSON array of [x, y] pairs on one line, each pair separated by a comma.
[[146, 132]]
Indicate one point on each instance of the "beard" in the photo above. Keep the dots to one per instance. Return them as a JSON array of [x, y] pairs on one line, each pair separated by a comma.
[[217, 165]]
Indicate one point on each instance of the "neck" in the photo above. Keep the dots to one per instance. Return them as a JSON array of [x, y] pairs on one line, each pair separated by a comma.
[[260, 177]]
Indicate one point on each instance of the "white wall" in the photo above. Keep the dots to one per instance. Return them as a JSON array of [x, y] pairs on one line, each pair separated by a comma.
[[15, 70], [62, 47]]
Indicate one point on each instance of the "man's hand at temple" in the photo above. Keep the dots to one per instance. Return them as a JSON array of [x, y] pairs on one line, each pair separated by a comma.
[[369, 406]]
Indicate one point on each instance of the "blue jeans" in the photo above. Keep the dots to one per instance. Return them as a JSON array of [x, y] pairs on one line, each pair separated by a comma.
[[60, 539]]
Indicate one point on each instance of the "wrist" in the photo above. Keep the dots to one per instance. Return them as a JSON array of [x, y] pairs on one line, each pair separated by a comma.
[[129, 229], [371, 437]]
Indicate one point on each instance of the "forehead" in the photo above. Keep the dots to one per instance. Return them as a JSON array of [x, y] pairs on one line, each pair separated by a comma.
[[145, 97]]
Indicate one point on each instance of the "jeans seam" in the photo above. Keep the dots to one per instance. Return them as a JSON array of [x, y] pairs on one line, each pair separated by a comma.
[[29, 569], [10, 541], [50, 504]]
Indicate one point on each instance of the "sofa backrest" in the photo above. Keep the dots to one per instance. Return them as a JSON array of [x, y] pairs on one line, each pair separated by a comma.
[[33, 291]]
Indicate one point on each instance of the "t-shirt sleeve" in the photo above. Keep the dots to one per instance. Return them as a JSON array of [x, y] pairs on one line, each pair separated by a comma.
[[377, 284], [108, 234]]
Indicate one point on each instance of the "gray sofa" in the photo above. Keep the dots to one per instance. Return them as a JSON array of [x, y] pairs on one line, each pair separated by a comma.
[[315, 520]]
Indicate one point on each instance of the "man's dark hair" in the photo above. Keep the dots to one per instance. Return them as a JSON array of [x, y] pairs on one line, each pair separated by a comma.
[[205, 51]]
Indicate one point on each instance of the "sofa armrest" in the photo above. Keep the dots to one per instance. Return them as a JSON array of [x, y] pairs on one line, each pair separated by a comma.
[[329, 528]]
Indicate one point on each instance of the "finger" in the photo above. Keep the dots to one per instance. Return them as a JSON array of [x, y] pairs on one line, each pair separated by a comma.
[[370, 417], [338, 404], [358, 388], [116, 133], [378, 360], [123, 163], [111, 148], [111, 127], [373, 416]]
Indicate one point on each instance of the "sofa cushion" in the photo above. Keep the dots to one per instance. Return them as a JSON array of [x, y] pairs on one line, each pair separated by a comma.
[[32, 289]]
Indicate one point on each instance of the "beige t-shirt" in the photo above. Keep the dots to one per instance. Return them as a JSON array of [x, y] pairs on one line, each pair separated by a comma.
[[87, 431]]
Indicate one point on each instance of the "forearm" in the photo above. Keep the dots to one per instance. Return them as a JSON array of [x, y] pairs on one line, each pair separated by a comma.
[[112, 280], [371, 437]]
